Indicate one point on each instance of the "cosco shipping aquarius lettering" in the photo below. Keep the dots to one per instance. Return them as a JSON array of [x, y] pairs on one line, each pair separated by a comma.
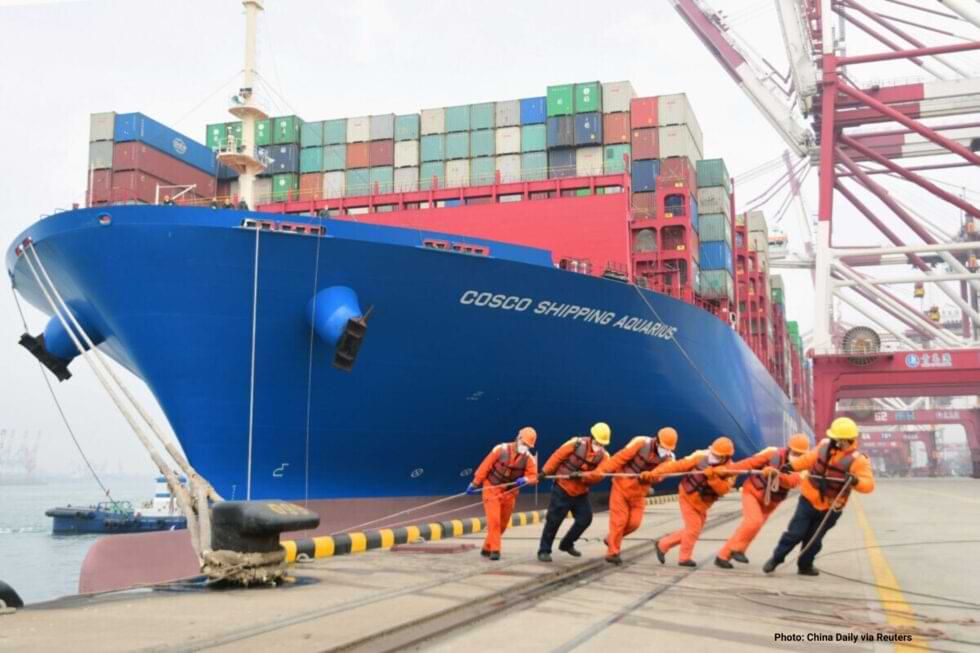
[[345, 312]]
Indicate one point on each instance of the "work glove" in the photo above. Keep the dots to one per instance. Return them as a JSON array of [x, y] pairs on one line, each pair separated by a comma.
[[649, 477], [711, 472], [576, 476], [769, 471], [852, 479], [521, 482], [472, 488]]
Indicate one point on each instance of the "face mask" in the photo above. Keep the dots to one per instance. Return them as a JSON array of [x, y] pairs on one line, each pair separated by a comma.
[[713, 459], [523, 448], [793, 456], [664, 453]]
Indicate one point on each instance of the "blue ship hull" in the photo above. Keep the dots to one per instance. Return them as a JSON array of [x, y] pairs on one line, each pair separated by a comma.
[[442, 376], [92, 521]]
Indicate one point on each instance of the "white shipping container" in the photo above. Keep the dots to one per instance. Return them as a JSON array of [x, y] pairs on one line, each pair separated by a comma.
[[714, 199], [433, 121], [616, 97], [102, 126], [457, 173], [359, 129], [509, 167], [262, 188], [676, 110], [100, 155], [508, 140], [588, 161], [677, 140], [508, 114], [758, 242], [383, 127], [334, 184], [406, 180], [757, 221], [406, 154]]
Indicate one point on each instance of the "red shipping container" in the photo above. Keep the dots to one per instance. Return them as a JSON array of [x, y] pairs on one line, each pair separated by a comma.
[[644, 112], [358, 155], [311, 186], [678, 170], [381, 153], [100, 187], [224, 188], [138, 156], [644, 205], [134, 185], [615, 128], [645, 144]]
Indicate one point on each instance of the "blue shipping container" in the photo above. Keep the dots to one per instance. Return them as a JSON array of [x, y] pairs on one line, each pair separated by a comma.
[[694, 213], [561, 131], [137, 127], [225, 173], [644, 174], [716, 255], [588, 129], [534, 110], [285, 158], [561, 163]]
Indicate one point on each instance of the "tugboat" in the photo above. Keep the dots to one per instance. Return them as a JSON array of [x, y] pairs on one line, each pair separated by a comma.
[[160, 514]]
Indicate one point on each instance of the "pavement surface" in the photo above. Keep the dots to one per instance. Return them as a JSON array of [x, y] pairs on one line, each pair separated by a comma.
[[899, 561]]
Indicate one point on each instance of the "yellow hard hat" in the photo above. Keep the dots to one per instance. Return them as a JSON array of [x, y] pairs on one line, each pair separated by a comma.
[[843, 428], [601, 432]]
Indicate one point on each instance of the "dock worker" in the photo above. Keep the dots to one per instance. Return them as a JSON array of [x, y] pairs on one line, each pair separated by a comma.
[[575, 463], [835, 468], [507, 468], [712, 477], [645, 456], [757, 505]]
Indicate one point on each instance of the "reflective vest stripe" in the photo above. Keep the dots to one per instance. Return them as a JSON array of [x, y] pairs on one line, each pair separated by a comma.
[[577, 461], [646, 459], [506, 470]]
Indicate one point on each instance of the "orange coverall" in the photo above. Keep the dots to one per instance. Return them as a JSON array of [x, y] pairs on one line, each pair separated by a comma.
[[755, 512], [498, 501], [627, 501], [694, 507]]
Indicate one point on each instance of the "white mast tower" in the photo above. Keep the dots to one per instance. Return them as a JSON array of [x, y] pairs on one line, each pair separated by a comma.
[[244, 159]]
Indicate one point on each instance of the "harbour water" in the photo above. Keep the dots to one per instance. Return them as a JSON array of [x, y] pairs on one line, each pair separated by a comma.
[[39, 565]]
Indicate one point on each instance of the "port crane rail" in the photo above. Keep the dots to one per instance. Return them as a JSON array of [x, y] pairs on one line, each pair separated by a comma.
[[853, 133]]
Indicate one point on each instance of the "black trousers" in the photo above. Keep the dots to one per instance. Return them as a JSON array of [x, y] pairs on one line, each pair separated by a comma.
[[802, 528], [559, 506]]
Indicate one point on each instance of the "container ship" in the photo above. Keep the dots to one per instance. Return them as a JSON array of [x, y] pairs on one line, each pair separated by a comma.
[[350, 312]]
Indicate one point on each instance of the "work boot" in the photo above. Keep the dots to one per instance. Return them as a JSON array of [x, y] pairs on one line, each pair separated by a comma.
[[770, 565], [614, 560], [724, 564], [738, 556], [544, 556], [571, 550], [484, 553], [495, 555], [808, 571], [687, 563], [660, 554]]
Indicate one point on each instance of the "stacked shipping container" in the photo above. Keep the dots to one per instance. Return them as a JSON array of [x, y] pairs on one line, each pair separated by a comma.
[[715, 231]]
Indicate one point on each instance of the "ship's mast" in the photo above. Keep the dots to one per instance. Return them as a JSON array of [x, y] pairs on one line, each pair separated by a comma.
[[244, 159]]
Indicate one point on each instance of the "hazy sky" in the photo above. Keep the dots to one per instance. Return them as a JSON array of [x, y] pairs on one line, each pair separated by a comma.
[[178, 62]]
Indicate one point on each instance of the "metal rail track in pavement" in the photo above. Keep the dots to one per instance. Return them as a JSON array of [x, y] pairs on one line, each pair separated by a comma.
[[446, 622]]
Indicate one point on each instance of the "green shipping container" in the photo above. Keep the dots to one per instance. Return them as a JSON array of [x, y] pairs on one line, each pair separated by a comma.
[[407, 127], [382, 179], [311, 159], [583, 192], [482, 116], [588, 97], [712, 172], [263, 132], [714, 227], [717, 284], [458, 145], [561, 100], [311, 134], [216, 135], [429, 170], [534, 138], [433, 148], [777, 295], [612, 160], [482, 171], [534, 166], [793, 328], [284, 185], [358, 182], [334, 157], [286, 129], [458, 118], [335, 131], [483, 143]]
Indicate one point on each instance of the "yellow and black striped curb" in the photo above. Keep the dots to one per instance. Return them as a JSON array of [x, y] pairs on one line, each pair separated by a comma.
[[663, 498], [326, 546]]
